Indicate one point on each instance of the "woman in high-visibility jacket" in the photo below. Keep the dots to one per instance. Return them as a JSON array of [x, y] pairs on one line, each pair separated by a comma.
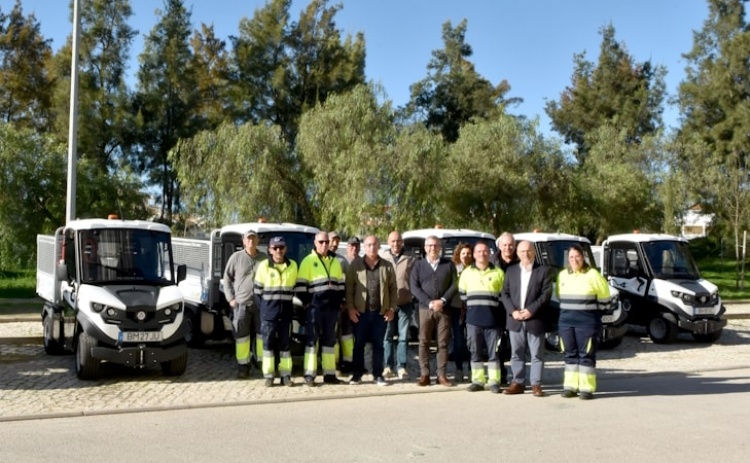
[[583, 293]]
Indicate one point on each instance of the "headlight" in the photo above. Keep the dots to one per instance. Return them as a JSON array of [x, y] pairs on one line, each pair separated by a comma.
[[715, 296], [688, 299], [98, 307]]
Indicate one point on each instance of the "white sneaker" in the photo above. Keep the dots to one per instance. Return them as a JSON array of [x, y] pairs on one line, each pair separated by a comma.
[[403, 374], [388, 373]]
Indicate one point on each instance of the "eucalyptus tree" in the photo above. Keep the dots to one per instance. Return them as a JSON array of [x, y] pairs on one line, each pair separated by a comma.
[[25, 88], [167, 100], [616, 90], [714, 102], [453, 91]]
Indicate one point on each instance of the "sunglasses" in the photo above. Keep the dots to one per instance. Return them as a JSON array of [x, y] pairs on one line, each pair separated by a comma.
[[276, 248], [323, 241]]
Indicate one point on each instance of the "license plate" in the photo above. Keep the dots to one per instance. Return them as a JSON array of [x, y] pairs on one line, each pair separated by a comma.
[[141, 336], [704, 310], [608, 318]]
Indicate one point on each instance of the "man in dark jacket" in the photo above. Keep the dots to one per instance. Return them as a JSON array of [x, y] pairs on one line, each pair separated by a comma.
[[433, 283], [526, 292]]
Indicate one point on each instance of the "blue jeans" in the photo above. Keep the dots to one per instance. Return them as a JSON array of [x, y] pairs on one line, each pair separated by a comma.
[[401, 322], [370, 328]]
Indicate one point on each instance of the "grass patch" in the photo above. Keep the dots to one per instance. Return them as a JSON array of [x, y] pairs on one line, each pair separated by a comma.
[[725, 274], [17, 284]]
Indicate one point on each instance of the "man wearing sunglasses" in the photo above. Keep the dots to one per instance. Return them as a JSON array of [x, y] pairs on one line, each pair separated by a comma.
[[320, 287], [275, 282]]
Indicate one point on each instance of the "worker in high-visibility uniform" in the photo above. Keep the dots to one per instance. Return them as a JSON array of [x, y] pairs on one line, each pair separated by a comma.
[[238, 282], [479, 287], [583, 294], [346, 329], [320, 287], [275, 282]]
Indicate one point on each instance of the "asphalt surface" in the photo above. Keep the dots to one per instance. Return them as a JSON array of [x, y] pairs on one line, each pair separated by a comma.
[[34, 385]]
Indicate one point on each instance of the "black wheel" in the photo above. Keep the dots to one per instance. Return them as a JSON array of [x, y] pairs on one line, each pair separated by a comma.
[[51, 345], [611, 343], [552, 341], [662, 331], [708, 337], [193, 335], [87, 367], [176, 366]]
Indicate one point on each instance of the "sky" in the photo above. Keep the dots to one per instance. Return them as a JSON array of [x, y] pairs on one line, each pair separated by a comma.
[[531, 44]]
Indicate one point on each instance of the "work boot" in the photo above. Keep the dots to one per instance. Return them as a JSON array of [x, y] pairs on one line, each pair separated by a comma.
[[309, 381], [243, 371], [268, 382], [331, 379], [287, 381]]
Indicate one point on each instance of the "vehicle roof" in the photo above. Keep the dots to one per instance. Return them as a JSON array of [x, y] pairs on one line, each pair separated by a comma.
[[446, 233], [267, 227], [535, 237], [645, 237], [95, 224]]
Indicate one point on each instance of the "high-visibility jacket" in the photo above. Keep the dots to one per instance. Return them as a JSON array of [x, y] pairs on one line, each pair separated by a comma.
[[480, 290], [274, 288], [582, 295], [320, 282]]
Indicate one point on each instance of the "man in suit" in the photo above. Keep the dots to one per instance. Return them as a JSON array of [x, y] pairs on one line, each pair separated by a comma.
[[526, 291], [433, 283]]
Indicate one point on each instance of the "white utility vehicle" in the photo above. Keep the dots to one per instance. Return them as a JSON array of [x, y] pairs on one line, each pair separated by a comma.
[[449, 239], [110, 294], [552, 250], [206, 307], [661, 288]]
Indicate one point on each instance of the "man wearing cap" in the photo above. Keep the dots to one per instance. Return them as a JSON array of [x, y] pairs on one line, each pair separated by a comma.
[[275, 282], [320, 287], [238, 289]]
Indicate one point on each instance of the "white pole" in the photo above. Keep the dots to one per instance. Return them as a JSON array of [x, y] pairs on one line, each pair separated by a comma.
[[73, 123], [744, 254]]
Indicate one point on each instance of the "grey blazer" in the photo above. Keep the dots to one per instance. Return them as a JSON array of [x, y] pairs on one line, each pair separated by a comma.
[[538, 295]]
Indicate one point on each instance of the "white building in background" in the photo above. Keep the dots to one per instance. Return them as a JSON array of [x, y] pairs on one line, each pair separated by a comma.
[[695, 223]]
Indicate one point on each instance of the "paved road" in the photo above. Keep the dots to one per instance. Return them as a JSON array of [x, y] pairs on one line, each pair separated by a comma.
[[665, 417], [34, 385]]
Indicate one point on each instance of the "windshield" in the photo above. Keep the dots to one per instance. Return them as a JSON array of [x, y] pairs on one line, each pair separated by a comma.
[[670, 260], [555, 253], [126, 255], [298, 244], [415, 246]]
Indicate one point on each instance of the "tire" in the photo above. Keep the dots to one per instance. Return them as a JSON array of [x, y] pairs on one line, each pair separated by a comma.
[[611, 343], [662, 331], [176, 366], [708, 337], [552, 341], [87, 367], [193, 335], [52, 346]]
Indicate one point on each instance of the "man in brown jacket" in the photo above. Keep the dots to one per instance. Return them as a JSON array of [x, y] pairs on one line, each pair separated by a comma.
[[371, 301], [396, 353]]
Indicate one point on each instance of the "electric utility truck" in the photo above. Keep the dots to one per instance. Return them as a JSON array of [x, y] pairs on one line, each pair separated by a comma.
[[110, 294]]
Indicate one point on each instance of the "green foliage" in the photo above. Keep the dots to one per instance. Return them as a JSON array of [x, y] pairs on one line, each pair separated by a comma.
[[714, 100], [17, 284], [24, 83], [346, 146], [616, 90], [453, 92]]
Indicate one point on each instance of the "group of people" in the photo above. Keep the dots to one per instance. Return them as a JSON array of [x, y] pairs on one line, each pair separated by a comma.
[[468, 302]]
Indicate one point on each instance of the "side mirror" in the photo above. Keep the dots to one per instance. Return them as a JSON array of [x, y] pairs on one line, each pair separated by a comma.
[[181, 272], [61, 272]]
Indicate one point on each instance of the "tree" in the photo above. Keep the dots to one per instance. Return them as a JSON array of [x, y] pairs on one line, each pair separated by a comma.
[[237, 174], [346, 144], [211, 66], [617, 90], [281, 69], [24, 82], [714, 100], [167, 101], [453, 92]]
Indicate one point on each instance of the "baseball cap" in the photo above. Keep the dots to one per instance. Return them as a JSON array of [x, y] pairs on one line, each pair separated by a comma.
[[277, 241], [354, 241], [249, 233]]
